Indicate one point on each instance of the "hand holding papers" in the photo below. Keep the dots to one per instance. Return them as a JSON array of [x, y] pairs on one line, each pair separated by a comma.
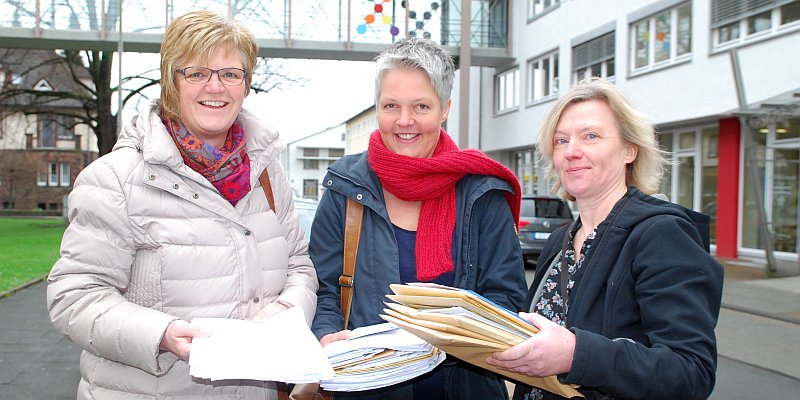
[[465, 325], [281, 348], [378, 356]]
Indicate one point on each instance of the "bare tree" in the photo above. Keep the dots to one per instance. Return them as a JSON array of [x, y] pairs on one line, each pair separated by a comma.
[[89, 100]]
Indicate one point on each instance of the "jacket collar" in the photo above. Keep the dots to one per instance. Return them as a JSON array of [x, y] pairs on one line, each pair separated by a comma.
[[147, 134]]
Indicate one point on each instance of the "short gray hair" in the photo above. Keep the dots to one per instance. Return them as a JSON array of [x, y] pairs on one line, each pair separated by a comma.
[[417, 54], [644, 172]]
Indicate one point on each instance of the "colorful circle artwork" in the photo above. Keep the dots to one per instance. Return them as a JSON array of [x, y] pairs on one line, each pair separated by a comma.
[[382, 11], [378, 10]]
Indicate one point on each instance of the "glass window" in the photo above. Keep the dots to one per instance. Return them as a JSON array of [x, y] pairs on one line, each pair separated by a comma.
[[784, 199], [728, 33], [543, 77], [537, 7], [53, 174], [506, 90], [65, 175], [310, 164], [736, 21], [759, 23], [594, 58], [710, 165], [685, 176], [665, 141], [642, 44], [47, 132], [41, 178], [687, 140], [335, 152], [525, 170], [310, 152], [750, 216], [790, 13], [789, 129], [310, 188], [652, 38], [684, 30], [662, 39]]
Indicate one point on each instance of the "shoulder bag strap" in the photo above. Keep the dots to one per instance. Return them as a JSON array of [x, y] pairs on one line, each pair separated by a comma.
[[352, 234], [267, 186]]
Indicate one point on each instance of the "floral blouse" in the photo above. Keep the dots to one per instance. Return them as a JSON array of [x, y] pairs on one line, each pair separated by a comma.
[[551, 304]]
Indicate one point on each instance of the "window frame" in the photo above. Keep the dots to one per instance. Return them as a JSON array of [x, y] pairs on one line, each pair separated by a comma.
[[64, 180], [531, 8], [672, 41], [602, 55], [501, 86], [52, 174], [742, 24], [552, 79]]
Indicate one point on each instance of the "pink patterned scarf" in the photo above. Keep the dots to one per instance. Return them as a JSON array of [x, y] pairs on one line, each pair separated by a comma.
[[227, 168]]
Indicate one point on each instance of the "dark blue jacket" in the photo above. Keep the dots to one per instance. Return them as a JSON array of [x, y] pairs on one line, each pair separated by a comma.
[[645, 309], [486, 257]]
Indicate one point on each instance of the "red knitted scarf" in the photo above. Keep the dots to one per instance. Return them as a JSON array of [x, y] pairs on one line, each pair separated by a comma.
[[433, 181]]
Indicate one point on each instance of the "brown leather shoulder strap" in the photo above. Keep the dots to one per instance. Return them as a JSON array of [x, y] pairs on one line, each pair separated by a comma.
[[267, 186], [352, 234]]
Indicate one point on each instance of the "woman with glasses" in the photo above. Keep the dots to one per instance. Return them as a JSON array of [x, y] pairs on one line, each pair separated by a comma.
[[173, 224]]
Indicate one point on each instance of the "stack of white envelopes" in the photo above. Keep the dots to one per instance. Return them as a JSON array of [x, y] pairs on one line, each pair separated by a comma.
[[465, 325], [280, 348], [378, 356]]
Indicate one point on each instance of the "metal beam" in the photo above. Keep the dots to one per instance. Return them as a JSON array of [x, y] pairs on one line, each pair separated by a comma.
[[274, 48]]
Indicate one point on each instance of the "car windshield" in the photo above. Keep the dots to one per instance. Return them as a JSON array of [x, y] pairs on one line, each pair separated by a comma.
[[544, 208]]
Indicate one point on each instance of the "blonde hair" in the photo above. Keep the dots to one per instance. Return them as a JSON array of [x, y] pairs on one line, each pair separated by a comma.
[[644, 171], [199, 34]]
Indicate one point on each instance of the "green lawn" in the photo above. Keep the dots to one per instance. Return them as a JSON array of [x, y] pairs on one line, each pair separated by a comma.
[[29, 249]]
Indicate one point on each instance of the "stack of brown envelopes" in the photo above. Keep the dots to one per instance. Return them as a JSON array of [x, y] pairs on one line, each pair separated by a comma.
[[465, 325]]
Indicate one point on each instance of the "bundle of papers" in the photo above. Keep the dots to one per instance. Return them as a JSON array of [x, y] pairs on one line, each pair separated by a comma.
[[378, 356], [281, 348], [465, 325]]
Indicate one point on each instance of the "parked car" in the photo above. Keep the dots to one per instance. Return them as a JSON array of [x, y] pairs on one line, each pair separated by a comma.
[[306, 209], [539, 217]]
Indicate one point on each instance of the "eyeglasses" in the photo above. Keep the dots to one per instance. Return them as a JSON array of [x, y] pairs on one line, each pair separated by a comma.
[[200, 75]]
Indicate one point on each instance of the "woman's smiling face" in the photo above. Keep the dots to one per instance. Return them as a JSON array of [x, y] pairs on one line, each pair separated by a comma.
[[208, 110], [588, 150], [410, 115]]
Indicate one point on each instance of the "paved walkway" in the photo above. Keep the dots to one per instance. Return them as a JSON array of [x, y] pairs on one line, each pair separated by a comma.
[[758, 338], [36, 362]]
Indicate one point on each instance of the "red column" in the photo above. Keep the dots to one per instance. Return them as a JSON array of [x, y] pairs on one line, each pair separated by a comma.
[[728, 187]]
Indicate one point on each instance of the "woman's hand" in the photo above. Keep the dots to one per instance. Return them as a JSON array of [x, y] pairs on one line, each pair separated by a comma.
[[548, 352], [335, 337], [177, 338]]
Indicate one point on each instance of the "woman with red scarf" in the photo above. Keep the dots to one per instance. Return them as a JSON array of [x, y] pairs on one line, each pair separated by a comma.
[[432, 213], [173, 224]]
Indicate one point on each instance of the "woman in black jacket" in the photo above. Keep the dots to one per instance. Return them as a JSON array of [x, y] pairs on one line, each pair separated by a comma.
[[627, 297]]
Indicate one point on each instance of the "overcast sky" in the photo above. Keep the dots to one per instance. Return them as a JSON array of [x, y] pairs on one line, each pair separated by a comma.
[[333, 92]]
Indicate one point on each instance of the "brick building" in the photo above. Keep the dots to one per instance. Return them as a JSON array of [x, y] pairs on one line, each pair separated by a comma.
[[41, 149]]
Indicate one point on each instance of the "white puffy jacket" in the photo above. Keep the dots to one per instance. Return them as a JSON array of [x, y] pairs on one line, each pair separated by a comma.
[[150, 241]]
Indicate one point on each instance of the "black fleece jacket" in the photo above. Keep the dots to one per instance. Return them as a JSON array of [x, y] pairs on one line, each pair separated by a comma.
[[645, 309]]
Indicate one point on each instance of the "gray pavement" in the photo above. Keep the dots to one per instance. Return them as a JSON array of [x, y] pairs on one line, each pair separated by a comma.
[[758, 337]]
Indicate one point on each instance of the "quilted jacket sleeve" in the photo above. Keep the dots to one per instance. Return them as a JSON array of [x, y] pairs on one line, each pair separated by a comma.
[[301, 285], [84, 293]]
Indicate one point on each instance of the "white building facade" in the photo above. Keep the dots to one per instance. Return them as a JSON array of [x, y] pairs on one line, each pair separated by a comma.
[[306, 160], [359, 128], [719, 78]]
